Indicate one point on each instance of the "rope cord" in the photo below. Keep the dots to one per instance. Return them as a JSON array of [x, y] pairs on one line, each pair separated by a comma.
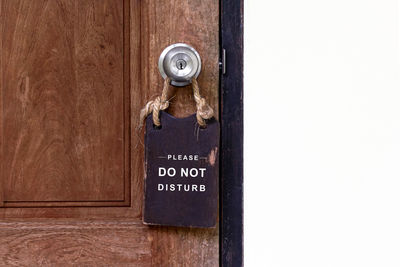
[[204, 111]]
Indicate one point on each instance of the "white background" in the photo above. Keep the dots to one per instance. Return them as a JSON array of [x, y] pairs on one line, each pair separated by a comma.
[[322, 133]]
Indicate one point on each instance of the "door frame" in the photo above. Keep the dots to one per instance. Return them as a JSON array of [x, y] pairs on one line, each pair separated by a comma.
[[231, 110]]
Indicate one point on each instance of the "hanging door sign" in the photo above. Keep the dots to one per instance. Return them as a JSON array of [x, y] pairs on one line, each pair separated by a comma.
[[181, 183]]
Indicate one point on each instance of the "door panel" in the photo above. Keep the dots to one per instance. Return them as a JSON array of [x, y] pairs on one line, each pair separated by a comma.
[[63, 102], [109, 243], [71, 156]]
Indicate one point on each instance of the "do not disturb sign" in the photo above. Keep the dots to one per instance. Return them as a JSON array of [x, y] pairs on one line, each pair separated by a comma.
[[181, 185]]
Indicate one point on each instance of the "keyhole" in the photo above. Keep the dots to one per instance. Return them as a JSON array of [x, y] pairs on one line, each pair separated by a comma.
[[180, 64]]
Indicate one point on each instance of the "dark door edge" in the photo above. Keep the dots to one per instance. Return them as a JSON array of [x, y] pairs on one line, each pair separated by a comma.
[[231, 110]]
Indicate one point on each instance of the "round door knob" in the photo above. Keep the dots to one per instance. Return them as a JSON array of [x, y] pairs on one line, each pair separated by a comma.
[[181, 63]]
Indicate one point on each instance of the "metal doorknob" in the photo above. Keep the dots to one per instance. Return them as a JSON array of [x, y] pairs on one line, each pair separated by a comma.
[[179, 62]]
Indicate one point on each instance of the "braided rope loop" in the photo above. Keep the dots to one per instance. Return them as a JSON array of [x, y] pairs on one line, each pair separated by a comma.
[[204, 111]]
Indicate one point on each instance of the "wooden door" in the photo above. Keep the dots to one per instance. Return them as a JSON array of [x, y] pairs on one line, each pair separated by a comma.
[[74, 75]]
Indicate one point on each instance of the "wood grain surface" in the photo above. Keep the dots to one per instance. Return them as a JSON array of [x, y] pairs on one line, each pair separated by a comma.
[[193, 22], [102, 102], [75, 243], [63, 101]]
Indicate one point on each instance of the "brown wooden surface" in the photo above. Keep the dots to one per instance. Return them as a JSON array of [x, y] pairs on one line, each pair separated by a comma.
[[193, 22], [77, 243], [104, 235], [63, 101]]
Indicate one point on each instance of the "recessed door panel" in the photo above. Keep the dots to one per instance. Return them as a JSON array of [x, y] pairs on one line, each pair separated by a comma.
[[63, 101]]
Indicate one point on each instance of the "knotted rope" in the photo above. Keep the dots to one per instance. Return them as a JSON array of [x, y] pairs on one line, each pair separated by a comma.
[[159, 103], [204, 111]]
